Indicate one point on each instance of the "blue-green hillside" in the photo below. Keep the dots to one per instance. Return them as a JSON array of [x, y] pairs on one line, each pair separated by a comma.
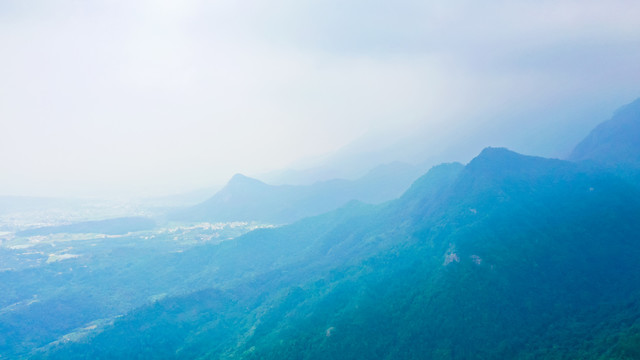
[[507, 257], [510, 256]]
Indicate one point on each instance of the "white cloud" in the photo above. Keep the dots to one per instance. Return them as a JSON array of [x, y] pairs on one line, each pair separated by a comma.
[[121, 97]]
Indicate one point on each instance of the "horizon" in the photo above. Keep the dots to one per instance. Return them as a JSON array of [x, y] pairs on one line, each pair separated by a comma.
[[440, 179], [119, 100]]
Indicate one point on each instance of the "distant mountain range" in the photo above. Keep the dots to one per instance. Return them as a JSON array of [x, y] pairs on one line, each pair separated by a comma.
[[508, 257], [614, 142], [247, 199]]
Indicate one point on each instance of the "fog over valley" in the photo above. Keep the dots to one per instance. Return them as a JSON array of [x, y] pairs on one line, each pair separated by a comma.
[[281, 180]]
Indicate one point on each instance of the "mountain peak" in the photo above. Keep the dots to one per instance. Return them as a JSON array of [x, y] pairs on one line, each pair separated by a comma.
[[240, 179], [241, 184], [495, 157], [494, 153], [500, 162]]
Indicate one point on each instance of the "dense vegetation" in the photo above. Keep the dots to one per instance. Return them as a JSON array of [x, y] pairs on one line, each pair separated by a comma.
[[508, 257]]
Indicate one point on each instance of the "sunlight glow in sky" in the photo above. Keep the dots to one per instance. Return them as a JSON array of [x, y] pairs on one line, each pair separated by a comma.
[[157, 97]]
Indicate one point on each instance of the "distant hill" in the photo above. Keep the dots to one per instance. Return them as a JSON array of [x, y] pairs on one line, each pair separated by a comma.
[[247, 199], [115, 226], [616, 141], [508, 257]]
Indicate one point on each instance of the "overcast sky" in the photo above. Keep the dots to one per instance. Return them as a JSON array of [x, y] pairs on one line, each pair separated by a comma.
[[112, 97]]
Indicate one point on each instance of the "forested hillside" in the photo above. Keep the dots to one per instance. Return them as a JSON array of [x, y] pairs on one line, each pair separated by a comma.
[[508, 257]]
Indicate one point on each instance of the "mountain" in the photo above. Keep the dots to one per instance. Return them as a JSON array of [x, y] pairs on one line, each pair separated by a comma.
[[614, 142], [510, 256], [247, 199]]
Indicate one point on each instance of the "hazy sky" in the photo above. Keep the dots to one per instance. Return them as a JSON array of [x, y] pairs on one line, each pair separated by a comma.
[[112, 97]]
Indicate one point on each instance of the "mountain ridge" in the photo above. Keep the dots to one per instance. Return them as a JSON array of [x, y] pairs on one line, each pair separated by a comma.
[[509, 256], [614, 141], [410, 276], [248, 199]]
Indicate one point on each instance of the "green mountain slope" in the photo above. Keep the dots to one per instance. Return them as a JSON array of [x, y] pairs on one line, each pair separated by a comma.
[[508, 257]]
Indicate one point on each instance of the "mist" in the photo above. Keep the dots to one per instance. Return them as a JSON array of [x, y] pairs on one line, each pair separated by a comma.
[[112, 98]]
